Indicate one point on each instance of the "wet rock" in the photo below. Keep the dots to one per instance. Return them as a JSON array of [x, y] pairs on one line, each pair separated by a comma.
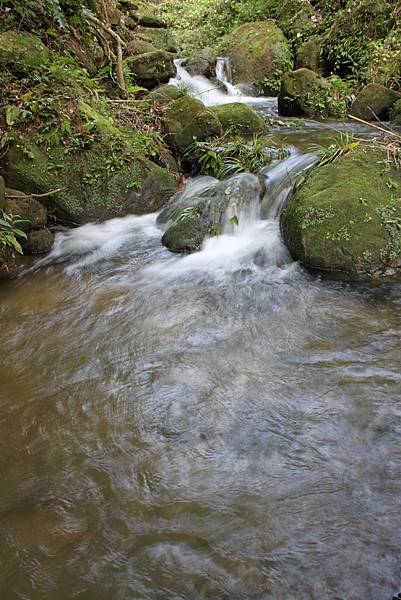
[[22, 52], [309, 56], [201, 62], [186, 120], [38, 242], [239, 118], [259, 54], [151, 68], [345, 218], [373, 100], [199, 210]]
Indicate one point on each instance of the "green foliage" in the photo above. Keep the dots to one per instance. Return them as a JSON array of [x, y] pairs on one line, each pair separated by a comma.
[[10, 232], [224, 157]]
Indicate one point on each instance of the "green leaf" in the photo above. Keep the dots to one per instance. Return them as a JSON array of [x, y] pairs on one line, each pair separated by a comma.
[[234, 220], [12, 114], [16, 245]]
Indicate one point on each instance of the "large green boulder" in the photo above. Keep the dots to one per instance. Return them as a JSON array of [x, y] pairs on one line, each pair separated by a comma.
[[309, 55], [29, 210], [88, 189], [303, 93], [395, 114], [22, 52], [200, 211], [135, 47], [259, 54], [296, 19], [201, 62], [161, 38], [187, 120], [238, 118], [345, 219], [373, 101], [151, 68]]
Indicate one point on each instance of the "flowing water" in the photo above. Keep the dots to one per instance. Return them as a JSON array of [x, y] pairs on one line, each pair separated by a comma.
[[215, 426]]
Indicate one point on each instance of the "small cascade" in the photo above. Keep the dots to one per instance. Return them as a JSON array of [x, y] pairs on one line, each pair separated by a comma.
[[220, 92], [223, 74]]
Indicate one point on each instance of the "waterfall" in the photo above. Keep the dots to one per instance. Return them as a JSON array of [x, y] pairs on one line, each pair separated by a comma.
[[222, 91], [223, 74]]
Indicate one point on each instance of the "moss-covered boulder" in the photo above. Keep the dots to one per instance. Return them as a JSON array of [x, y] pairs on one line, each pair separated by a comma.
[[259, 54], [303, 93], [395, 113], [186, 120], [149, 20], [374, 99], [151, 68], [200, 211], [38, 242], [22, 52], [309, 55], [161, 38], [30, 210], [166, 93], [345, 219], [93, 184], [296, 19], [239, 118]]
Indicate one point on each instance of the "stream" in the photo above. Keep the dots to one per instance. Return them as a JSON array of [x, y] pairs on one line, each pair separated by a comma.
[[218, 426]]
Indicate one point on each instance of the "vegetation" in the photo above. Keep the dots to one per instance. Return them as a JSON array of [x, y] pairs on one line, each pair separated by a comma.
[[10, 231]]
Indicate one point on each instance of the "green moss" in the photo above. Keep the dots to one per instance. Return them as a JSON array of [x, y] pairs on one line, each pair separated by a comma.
[[373, 100], [22, 52], [30, 210], [186, 235], [346, 217], [239, 118], [259, 54], [186, 120]]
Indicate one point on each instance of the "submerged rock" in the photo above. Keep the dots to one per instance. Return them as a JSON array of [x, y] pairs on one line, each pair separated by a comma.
[[259, 54], [188, 119], [345, 219], [151, 68], [374, 101], [239, 118], [22, 52], [199, 210]]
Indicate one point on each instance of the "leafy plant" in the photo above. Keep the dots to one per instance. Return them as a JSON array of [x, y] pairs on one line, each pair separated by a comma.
[[9, 231]]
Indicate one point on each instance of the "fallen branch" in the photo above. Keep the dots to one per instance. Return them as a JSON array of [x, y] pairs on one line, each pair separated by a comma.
[[370, 124], [12, 197]]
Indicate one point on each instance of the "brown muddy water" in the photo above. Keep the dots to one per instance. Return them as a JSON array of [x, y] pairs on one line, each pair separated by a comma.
[[208, 427]]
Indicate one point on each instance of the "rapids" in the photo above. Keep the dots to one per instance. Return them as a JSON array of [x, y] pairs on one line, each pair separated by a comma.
[[219, 426]]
